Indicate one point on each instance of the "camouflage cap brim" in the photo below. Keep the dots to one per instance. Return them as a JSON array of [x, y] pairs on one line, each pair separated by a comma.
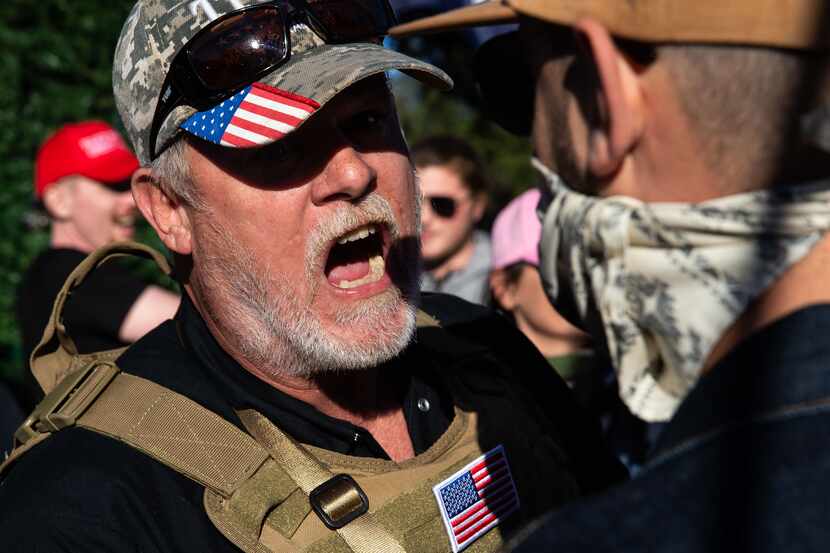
[[283, 100]]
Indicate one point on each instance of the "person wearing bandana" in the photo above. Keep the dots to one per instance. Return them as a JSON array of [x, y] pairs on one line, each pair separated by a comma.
[[685, 224], [305, 397]]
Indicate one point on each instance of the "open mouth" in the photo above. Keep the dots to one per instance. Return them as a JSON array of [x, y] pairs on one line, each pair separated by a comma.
[[356, 258]]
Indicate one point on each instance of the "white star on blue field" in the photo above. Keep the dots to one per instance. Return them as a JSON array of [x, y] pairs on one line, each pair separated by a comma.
[[211, 124]]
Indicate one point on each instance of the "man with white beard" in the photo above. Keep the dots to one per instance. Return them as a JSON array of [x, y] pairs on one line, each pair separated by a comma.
[[686, 227], [291, 405]]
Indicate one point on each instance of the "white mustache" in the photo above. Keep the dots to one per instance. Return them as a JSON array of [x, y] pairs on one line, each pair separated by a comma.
[[373, 209]]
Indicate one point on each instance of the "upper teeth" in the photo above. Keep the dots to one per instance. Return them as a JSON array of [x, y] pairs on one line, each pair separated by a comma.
[[357, 234]]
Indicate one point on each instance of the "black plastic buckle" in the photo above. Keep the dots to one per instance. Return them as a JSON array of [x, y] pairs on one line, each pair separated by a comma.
[[338, 501], [67, 401]]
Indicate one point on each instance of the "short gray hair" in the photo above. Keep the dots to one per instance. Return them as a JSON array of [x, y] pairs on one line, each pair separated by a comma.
[[742, 102], [172, 173]]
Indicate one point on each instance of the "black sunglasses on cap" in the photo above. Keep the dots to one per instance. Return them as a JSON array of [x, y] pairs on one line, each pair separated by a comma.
[[236, 49]]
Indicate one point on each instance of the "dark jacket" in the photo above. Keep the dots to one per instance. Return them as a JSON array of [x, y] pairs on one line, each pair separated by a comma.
[[82, 491], [744, 465]]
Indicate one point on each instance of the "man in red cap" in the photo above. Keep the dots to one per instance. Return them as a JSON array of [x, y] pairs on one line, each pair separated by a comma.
[[82, 178]]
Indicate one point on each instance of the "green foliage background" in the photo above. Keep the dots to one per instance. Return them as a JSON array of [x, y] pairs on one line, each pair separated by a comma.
[[55, 61]]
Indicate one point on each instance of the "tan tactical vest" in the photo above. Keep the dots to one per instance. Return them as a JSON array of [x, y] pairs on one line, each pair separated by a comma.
[[268, 493]]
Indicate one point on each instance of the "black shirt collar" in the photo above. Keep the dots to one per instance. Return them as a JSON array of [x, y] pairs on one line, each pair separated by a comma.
[[428, 407]]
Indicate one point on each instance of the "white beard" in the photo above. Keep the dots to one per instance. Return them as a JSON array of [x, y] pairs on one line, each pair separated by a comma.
[[258, 313]]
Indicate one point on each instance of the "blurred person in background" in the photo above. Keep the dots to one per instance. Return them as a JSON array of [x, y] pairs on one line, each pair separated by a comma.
[[687, 230], [82, 181], [454, 188], [517, 290]]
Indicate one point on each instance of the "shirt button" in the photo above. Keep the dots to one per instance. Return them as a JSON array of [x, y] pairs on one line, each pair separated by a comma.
[[423, 404]]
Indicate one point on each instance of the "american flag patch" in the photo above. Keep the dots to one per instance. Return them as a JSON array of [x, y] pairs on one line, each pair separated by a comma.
[[256, 115], [477, 498]]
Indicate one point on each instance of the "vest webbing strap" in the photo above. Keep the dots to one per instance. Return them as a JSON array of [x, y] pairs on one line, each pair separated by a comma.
[[362, 535], [177, 431], [50, 367]]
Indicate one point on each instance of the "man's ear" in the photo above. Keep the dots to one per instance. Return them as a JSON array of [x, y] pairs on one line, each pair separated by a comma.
[[620, 96], [59, 199], [166, 214], [503, 291]]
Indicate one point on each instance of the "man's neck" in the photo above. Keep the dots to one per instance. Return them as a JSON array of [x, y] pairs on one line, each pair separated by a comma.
[[805, 283], [553, 345], [64, 235], [454, 262], [370, 398]]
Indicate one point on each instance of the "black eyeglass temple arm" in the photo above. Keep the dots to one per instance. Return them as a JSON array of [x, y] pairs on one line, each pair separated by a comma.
[[168, 101]]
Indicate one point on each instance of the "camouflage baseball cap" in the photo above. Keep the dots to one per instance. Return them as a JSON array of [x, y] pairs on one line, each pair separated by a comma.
[[156, 30]]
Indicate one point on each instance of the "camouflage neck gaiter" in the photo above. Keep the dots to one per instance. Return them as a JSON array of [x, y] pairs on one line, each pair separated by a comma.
[[661, 282]]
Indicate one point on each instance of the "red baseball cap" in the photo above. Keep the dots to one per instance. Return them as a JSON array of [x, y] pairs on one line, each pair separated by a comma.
[[92, 149]]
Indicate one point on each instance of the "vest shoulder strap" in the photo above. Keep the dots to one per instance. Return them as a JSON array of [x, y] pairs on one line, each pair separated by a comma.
[[50, 367], [177, 431], [245, 475], [166, 425], [244, 481]]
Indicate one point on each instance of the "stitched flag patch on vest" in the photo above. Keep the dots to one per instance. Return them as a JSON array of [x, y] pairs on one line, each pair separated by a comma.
[[477, 498]]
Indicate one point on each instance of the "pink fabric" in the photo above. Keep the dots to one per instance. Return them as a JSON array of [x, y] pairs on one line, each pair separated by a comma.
[[517, 231]]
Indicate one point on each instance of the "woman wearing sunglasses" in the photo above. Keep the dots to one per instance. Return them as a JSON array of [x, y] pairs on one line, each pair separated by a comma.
[[456, 255]]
